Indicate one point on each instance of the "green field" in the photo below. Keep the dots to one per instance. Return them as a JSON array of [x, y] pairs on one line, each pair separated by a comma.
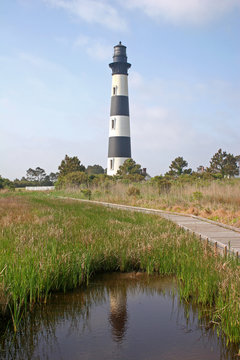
[[48, 244]]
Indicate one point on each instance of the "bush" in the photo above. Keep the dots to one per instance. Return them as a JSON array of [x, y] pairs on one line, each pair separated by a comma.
[[197, 196], [133, 191], [164, 186], [163, 183], [87, 193], [6, 184], [73, 179]]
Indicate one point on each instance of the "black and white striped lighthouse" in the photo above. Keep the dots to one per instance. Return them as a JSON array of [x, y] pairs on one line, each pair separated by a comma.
[[119, 148]]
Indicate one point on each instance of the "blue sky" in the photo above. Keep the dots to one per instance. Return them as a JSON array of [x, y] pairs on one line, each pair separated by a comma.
[[184, 84]]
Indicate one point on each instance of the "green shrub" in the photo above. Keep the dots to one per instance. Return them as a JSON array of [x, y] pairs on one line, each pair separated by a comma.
[[163, 183], [73, 179], [133, 191], [197, 196], [87, 193]]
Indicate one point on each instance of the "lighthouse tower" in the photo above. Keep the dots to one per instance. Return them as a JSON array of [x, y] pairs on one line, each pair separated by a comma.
[[119, 148]]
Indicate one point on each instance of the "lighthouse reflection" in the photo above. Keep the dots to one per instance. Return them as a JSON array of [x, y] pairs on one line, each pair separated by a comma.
[[118, 313], [117, 316]]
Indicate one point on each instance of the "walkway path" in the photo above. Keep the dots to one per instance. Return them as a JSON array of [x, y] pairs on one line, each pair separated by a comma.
[[224, 237]]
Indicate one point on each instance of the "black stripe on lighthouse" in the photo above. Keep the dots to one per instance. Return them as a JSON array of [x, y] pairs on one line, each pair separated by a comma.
[[119, 105], [120, 67], [119, 146]]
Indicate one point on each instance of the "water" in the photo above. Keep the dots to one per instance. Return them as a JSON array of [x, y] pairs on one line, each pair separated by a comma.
[[118, 316]]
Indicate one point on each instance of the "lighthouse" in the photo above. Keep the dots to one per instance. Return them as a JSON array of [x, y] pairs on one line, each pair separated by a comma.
[[119, 146]]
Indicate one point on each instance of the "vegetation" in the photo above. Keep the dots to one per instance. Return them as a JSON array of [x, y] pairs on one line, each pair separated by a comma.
[[163, 183], [49, 244], [35, 177], [199, 194], [5, 183], [177, 167], [218, 193], [129, 167], [224, 164], [39, 176], [72, 179], [94, 170], [210, 192], [133, 191], [69, 165]]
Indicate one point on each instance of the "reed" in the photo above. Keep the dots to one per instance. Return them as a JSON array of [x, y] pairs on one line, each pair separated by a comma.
[[217, 200], [49, 244]]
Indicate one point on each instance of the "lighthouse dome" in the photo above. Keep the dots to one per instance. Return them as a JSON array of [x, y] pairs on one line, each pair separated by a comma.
[[120, 53]]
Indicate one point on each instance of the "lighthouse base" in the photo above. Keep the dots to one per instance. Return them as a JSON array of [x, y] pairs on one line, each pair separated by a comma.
[[114, 164]]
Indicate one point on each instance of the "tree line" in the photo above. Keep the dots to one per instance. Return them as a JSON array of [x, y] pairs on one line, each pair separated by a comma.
[[72, 173], [221, 165], [39, 177]]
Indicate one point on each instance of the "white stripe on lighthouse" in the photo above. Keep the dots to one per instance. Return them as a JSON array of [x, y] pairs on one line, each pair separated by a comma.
[[114, 164], [119, 126], [120, 84]]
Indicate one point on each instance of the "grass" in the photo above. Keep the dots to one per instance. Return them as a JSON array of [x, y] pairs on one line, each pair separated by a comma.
[[48, 244], [217, 200]]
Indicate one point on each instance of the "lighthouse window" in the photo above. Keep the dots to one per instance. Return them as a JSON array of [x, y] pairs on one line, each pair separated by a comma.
[[113, 123], [114, 90], [111, 164]]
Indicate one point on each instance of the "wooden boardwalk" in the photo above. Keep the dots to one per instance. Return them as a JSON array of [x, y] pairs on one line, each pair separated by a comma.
[[224, 238]]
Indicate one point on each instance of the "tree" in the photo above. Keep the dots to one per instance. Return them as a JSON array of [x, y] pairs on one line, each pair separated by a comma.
[[1, 182], [177, 167], [31, 174], [73, 179], [40, 174], [5, 183], [223, 164], [21, 183], [238, 162], [69, 165], [129, 167], [95, 170], [53, 177], [36, 175], [237, 158]]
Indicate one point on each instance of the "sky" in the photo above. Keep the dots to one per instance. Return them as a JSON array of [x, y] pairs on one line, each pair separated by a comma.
[[55, 83]]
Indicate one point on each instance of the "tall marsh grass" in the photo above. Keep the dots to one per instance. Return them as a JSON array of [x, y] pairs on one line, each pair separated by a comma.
[[49, 245], [217, 200]]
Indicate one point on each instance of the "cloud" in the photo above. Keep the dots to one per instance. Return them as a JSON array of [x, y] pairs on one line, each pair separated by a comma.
[[160, 130], [184, 11], [95, 48], [160, 134], [92, 11], [190, 119]]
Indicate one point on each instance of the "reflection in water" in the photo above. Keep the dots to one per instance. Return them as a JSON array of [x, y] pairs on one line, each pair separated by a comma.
[[118, 316], [118, 312]]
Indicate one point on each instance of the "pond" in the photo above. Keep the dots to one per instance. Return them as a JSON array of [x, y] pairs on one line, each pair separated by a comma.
[[118, 316]]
